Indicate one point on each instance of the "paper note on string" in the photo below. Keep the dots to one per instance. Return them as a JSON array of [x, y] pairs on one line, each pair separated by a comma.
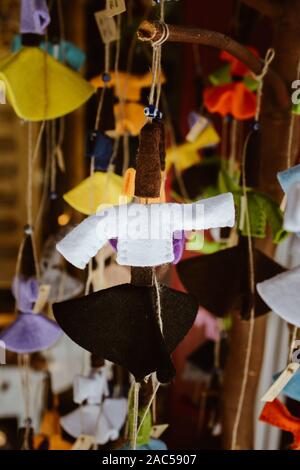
[[107, 27], [83, 442], [197, 129], [158, 430], [42, 299], [281, 382], [115, 7]]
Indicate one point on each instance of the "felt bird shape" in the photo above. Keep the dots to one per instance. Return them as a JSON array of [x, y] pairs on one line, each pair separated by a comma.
[[130, 118], [220, 281], [120, 324], [232, 93], [65, 51], [30, 332], [290, 183], [280, 293], [144, 232], [186, 155], [276, 414], [96, 190], [263, 211], [127, 86]]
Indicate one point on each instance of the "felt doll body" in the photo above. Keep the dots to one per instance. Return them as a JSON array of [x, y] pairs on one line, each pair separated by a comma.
[[290, 183], [30, 332], [145, 232], [99, 416], [281, 294]]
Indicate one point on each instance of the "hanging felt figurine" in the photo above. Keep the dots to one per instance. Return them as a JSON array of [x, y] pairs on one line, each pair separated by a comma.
[[232, 92], [38, 86], [129, 113], [290, 183], [98, 416], [154, 225], [186, 155], [276, 414], [54, 273], [152, 348], [30, 332], [280, 293]]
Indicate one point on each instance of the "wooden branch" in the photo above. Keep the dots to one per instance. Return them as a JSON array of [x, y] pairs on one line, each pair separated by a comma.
[[154, 31], [267, 7]]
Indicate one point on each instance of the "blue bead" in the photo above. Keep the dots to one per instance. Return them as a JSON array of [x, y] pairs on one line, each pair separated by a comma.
[[53, 195], [152, 112], [256, 126], [106, 77]]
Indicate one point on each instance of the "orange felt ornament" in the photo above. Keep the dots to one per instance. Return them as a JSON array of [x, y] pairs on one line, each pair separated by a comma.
[[232, 98], [276, 414]]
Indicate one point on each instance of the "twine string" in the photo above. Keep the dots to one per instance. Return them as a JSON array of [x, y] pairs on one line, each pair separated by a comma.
[[268, 59], [260, 78]]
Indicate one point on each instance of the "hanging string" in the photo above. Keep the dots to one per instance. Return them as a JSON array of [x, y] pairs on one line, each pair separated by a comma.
[[268, 59], [252, 313], [158, 302], [156, 69], [224, 140], [23, 361], [154, 384], [260, 78], [134, 429], [53, 157], [148, 406], [233, 147], [105, 85]]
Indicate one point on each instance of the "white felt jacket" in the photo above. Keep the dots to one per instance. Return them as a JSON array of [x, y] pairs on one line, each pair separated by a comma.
[[144, 232]]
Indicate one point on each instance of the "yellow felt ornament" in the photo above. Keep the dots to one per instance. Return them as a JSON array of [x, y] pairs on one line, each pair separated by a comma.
[[39, 87], [186, 155], [96, 190]]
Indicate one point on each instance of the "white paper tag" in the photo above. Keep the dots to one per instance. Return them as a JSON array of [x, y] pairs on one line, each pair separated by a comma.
[[107, 27], [197, 129], [83, 442], [42, 299], [158, 430], [281, 382], [115, 7]]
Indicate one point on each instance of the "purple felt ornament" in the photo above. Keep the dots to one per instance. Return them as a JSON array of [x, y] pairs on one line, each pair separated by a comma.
[[30, 332], [34, 16]]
